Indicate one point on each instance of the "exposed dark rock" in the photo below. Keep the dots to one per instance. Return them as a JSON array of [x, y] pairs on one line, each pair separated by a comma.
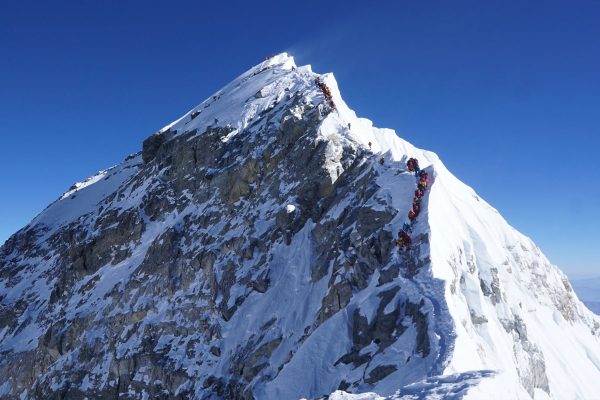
[[151, 146], [380, 372]]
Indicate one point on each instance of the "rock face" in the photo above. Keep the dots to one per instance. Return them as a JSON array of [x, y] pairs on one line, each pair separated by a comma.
[[248, 252]]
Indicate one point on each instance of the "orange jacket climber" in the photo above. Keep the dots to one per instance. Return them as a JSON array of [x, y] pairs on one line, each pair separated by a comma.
[[403, 239]]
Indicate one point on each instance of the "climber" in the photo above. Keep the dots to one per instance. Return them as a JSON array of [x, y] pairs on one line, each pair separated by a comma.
[[418, 194], [422, 185], [416, 166], [381, 160], [370, 144], [412, 216], [406, 239], [410, 164], [406, 226], [403, 240], [424, 178], [416, 208], [400, 242], [424, 174], [349, 125]]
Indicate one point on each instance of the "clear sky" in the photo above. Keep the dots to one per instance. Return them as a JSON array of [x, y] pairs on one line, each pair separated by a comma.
[[506, 92]]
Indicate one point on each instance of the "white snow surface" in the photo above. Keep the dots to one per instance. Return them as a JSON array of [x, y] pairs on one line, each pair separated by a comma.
[[471, 246], [83, 197]]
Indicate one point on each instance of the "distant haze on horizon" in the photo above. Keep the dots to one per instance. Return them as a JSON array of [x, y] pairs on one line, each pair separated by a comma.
[[506, 93]]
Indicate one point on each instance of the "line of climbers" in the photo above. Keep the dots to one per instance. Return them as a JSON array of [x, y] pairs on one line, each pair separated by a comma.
[[326, 92], [404, 239]]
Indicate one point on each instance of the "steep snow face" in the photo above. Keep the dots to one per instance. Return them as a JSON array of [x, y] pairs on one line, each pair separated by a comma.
[[513, 311], [248, 252]]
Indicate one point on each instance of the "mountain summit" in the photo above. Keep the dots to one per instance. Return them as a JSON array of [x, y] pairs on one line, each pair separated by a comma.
[[248, 252]]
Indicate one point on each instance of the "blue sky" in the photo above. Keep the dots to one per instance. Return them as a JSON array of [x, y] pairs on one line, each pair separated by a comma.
[[506, 92]]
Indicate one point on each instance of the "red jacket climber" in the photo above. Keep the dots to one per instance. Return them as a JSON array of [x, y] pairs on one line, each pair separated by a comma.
[[418, 194], [412, 215], [410, 164]]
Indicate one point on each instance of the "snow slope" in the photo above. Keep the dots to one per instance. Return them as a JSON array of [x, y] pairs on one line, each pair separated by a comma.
[[534, 304], [248, 252]]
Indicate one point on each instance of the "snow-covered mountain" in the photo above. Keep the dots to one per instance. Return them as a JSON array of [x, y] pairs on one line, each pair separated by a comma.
[[248, 252]]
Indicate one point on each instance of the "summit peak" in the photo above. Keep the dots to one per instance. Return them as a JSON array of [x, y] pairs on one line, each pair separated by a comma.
[[284, 59]]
